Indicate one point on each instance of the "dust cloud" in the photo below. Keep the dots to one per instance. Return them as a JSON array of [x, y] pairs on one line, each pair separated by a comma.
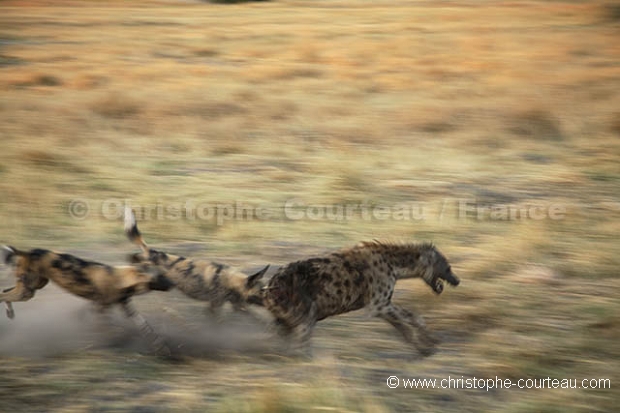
[[54, 323]]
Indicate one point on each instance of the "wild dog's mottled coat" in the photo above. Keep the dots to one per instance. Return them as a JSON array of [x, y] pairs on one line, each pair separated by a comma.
[[304, 292], [199, 279], [103, 284]]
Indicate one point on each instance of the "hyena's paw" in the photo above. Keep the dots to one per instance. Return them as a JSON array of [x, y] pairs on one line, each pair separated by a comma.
[[160, 348], [427, 351], [302, 354], [300, 350], [429, 338], [167, 355]]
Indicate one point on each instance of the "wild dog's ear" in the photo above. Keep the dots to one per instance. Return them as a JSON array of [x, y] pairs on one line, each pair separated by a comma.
[[254, 278], [9, 254]]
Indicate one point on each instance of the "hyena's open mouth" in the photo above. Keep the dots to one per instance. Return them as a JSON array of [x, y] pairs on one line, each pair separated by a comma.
[[453, 280], [437, 282], [437, 286]]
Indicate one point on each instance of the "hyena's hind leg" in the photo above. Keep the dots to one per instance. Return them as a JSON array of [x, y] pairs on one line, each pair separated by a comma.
[[156, 342], [404, 321], [300, 335]]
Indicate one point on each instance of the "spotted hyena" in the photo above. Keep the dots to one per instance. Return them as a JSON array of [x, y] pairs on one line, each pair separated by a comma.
[[102, 284], [198, 279], [304, 292]]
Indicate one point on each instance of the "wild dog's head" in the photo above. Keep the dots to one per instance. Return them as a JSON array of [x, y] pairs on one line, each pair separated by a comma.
[[434, 268], [253, 287], [26, 264]]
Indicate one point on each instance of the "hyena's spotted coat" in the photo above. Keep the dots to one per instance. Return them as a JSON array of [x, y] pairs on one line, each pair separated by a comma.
[[103, 284], [304, 292], [199, 279]]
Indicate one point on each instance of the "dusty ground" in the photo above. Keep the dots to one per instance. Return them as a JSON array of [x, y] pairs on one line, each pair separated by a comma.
[[383, 104]]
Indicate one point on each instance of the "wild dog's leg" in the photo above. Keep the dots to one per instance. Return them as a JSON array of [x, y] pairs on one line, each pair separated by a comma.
[[215, 308], [100, 309], [145, 328], [10, 313], [17, 293], [393, 315], [241, 307], [253, 314], [238, 306], [101, 316]]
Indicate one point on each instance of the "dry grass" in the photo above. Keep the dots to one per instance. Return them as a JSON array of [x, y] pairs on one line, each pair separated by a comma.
[[384, 103]]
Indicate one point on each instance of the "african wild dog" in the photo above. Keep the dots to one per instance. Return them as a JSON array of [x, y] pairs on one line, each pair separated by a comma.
[[199, 279], [304, 292], [103, 284]]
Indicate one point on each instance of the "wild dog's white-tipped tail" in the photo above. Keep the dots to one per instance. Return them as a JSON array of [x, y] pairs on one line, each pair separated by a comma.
[[130, 219], [131, 226], [132, 231]]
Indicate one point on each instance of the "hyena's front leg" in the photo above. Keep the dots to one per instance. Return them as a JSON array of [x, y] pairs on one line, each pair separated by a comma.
[[145, 329], [418, 323], [17, 293], [395, 316]]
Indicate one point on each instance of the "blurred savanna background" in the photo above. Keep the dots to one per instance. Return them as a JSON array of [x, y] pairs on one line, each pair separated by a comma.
[[505, 105]]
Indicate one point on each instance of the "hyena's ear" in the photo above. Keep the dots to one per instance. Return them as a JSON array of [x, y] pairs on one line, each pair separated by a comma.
[[254, 278], [9, 255]]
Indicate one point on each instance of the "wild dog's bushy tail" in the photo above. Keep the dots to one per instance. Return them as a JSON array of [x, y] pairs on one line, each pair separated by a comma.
[[132, 231]]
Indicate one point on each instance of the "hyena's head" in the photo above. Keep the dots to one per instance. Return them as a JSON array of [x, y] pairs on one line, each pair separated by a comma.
[[253, 287], [434, 268]]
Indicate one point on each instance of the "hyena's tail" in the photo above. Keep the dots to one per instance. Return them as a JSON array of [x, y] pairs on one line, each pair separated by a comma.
[[132, 231]]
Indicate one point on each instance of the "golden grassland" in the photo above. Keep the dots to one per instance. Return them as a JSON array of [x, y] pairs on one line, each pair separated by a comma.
[[385, 102]]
